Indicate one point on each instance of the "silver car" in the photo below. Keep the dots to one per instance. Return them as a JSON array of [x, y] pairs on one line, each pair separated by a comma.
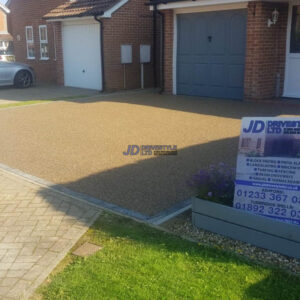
[[17, 74]]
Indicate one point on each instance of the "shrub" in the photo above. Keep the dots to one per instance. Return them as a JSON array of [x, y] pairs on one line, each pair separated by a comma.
[[215, 184], [254, 154]]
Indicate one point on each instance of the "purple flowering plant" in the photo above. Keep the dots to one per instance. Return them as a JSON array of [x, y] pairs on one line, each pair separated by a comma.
[[215, 183]]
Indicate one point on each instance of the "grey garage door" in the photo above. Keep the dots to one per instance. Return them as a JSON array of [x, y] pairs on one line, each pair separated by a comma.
[[211, 54]]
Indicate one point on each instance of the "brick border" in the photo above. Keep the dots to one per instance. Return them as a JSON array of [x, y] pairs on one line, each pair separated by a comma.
[[157, 219], [78, 196]]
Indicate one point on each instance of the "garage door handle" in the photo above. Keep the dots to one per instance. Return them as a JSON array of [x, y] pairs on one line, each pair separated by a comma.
[[83, 71], [209, 38]]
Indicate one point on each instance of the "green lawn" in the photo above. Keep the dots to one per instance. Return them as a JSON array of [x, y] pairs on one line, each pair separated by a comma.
[[30, 102], [139, 262], [22, 103]]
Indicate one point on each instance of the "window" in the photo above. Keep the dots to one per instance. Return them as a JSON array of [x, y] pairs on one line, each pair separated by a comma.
[[246, 142], [30, 42], [43, 42], [295, 32]]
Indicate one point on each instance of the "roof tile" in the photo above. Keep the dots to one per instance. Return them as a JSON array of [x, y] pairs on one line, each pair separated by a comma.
[[80, 8]]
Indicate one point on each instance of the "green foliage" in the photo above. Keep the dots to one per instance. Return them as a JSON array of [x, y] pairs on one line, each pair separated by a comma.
[[215, 184], [139, 262], [254, 154], [22, 103], [31, 102]]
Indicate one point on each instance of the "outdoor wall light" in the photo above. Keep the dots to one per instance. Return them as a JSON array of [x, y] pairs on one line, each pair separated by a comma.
[[274, 19]]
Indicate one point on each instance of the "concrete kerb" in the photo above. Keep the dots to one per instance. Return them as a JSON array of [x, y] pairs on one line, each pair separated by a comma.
[[171, 212], [155, 220]]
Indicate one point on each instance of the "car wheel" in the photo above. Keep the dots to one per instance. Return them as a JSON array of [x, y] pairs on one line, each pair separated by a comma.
[[23, 79]]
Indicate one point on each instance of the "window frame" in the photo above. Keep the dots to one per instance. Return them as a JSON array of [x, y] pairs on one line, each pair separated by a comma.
[[28, 41], [43, 41]]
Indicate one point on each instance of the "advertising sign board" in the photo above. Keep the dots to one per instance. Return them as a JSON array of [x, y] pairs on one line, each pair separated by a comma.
[[268, 168]]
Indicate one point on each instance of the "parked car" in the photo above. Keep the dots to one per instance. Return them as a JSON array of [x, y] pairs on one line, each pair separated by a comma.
[[6, 55], [17, 74]]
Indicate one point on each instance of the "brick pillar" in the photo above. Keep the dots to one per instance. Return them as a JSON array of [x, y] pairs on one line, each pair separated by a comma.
[[168, 57], [265, 55], [59, 65]]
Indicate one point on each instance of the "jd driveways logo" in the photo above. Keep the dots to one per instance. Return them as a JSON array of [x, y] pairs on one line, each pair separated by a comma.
[[133, 150]]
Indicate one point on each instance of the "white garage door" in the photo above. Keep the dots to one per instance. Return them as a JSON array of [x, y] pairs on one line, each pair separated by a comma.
[[82, 55]]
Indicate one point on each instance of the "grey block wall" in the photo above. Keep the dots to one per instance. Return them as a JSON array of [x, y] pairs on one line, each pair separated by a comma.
[[257, 230]]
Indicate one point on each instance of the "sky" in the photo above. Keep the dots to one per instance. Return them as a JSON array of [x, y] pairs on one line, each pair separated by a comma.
[[2, 1]]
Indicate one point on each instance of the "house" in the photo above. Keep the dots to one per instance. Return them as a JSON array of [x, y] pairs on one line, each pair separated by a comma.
[[235, 49], [93, 44], [5, 37]]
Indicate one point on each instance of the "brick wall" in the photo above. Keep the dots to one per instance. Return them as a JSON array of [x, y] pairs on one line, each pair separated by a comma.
[[158, 51], [168, 57], [266, 47], [131, 24], [30, 13], [59, 66], [3, 25]]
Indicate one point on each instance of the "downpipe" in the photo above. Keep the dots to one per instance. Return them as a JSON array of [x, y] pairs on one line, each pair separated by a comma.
[[162, 47], [98, 19]]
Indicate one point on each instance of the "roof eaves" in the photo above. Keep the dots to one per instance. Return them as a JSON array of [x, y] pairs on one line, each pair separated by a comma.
[[79, 15], [4, 8], [94, 12]]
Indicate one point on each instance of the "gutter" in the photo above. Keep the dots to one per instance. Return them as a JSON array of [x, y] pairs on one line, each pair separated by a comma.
[[162, 47], [97, 18]]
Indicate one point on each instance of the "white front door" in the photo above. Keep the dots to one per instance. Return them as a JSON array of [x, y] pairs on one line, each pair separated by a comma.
[[292, 70], [82, 54]]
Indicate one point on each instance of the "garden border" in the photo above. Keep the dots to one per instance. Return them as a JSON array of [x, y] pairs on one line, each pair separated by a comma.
[[250, 228]]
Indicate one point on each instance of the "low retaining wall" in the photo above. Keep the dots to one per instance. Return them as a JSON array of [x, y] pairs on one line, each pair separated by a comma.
[[257, 230]]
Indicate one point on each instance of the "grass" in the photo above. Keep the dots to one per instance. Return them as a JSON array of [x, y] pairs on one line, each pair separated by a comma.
[[140, 262], [22, 103], [31, 102]]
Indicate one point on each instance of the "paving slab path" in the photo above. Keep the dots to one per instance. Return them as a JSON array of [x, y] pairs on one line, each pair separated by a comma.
[[38, 226]]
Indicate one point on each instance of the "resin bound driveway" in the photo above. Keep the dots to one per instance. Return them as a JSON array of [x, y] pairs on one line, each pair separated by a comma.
[[80, 144]]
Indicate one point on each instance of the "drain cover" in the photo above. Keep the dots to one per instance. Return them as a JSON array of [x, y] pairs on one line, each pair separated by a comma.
[[86, 249]]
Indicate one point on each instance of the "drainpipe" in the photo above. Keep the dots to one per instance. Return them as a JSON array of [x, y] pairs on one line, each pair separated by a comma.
[[97, 18], [154, 45], [162, 46]]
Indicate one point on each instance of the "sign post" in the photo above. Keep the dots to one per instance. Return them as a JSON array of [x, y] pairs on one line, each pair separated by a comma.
[[268, 168]]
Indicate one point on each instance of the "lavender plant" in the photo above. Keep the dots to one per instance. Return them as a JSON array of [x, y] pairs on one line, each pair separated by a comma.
[[215, 184]]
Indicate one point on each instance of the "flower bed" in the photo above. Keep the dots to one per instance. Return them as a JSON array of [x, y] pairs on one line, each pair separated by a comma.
[[216, 186]]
